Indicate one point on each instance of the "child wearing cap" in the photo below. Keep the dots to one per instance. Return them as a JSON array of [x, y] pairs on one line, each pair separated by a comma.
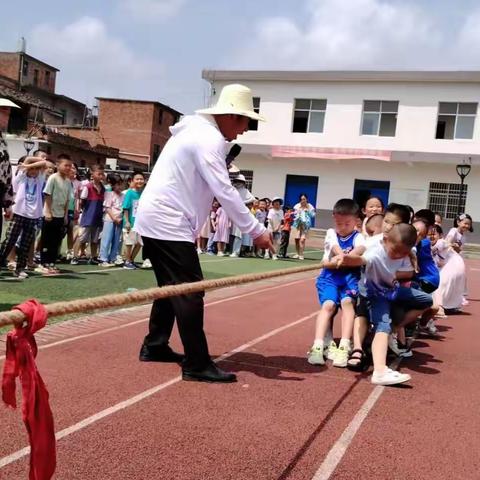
[[275, 219]]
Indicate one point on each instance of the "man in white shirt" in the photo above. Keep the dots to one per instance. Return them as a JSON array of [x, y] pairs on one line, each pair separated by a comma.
[[189, 173]]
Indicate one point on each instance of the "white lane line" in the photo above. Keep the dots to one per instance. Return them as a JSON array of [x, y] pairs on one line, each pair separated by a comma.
[[336, 453], [119, 327], [147, 393]]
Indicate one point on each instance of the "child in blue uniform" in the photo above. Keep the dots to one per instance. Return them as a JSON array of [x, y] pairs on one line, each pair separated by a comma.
[[338, 287]]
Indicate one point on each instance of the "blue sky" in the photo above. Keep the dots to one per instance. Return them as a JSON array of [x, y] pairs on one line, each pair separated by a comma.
[[156, 49]]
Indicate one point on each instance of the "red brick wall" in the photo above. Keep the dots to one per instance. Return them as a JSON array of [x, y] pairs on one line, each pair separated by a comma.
[[4, 116], [9, 65], [42, 69], [127, 126], [160, 131]]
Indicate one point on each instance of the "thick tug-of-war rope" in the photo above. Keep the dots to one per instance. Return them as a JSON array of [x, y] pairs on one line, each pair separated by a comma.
[[15, 317]]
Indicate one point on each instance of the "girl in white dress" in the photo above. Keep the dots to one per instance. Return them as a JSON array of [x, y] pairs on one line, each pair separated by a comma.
[[449, 294], [456, 238]]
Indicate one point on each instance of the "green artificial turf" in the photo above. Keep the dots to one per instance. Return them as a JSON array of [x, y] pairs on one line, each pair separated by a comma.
[[83, 281]]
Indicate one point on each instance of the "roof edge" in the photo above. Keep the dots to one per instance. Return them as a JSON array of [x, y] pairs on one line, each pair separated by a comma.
[[440, 76]]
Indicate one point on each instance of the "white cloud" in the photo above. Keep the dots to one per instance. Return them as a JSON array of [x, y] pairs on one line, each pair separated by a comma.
[[151, 11], [362, 34], [95, 63]]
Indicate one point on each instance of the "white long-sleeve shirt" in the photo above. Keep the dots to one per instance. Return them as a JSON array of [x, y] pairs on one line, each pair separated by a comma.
[[189, 173]]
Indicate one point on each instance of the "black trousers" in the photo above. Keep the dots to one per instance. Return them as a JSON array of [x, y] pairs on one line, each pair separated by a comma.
[[285, 240], [174, 263], [52, 234]]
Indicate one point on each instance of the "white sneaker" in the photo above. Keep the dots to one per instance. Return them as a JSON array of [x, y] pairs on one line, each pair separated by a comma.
[[12, 266], [465, 302], [266, 256], [300, 257], [20, 275], [431, 328], [296, 255], [341, 357], [330, 350], [393, 346], [233, 255], [389, 377], [274, 257], [220, 254], [119, 260], [199, 251], [146, 264], [315, 356]]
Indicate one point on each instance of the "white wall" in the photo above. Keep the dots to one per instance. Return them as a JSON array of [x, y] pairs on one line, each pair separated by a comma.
[[416, 122], [408, 184]]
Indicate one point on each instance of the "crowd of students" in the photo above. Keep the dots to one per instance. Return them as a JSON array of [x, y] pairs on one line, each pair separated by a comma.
[[390, 274], [220, 235], [51, 202]]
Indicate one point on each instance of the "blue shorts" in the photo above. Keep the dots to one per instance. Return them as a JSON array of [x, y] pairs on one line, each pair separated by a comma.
[[336, 289]]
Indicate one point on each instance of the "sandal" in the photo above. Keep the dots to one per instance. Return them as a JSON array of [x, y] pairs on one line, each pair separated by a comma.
[[357, 363]]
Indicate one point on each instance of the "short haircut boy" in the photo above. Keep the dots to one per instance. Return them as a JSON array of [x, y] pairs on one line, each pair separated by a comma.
[[63, 157], [346, 206], [401, 211], [426, 216]]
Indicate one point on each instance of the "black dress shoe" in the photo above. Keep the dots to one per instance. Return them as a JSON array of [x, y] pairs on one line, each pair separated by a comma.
[[209, 374], [166, 355]]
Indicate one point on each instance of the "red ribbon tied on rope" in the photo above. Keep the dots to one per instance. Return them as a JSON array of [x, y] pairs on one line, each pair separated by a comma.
[[36, 412]]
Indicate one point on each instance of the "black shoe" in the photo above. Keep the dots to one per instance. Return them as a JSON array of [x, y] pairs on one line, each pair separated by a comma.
[[165, 355], [209, 374]]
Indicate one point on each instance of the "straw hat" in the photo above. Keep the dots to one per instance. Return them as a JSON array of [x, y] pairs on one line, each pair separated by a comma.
[[234, 99]]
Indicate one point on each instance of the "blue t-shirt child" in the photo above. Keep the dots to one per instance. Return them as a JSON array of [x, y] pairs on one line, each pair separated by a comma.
[[130, 203], [335, 285], [428, 277]]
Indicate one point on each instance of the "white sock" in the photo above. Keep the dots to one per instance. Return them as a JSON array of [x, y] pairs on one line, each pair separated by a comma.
[[345, 342], [318, 344]]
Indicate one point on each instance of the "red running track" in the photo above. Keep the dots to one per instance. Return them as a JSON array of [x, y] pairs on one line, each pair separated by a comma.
[[282, 420]]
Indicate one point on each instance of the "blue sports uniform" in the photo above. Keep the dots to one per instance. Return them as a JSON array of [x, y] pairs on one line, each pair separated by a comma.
[[335, 285]]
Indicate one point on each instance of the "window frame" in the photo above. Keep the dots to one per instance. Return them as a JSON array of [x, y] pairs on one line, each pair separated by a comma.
[[380, 112], [447, 191], [310, 111], [456, 115]]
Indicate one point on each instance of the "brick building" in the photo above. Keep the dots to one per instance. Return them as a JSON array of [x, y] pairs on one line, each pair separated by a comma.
[[138, 128], [31, 84], [27, 74]]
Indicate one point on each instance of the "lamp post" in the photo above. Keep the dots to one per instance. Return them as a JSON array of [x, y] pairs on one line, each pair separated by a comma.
[[463, 169], [28, 145]]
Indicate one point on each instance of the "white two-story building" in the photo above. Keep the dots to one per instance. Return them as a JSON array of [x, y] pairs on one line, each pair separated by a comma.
[[396, 134]]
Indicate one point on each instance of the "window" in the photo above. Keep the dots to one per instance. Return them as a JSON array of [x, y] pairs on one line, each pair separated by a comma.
[[253, 124], [25, 68], [379, 118], [160, 117], [35, 77], [248, 174], [309, 115], [447, 198], [456, 120], [47, 78]]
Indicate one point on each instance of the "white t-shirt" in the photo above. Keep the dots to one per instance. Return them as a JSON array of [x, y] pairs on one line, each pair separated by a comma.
[[28, 195], [454, 236], [441, 252], [275, 218], [331, 239], [189, 173], [380, 270]]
